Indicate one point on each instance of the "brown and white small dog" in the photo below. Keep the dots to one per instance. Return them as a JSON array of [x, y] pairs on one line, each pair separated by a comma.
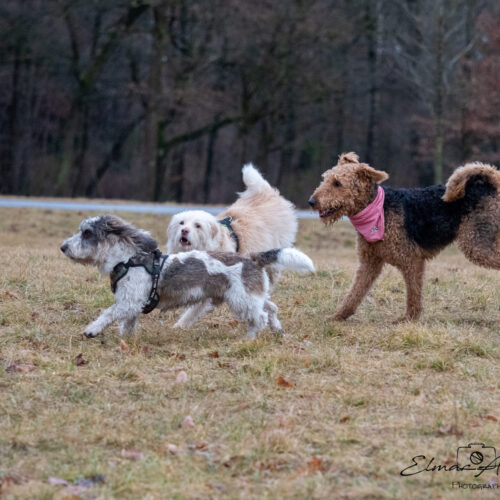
[[261, 219], [195, 278]]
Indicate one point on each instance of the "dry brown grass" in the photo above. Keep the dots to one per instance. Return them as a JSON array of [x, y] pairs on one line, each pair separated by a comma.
[[365, 395]]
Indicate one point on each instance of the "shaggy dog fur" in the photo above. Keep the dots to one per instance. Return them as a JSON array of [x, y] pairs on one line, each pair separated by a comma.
[[193, 278], [419, 223], [261, 218]]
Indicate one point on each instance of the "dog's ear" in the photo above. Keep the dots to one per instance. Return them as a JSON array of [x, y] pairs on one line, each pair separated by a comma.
[[373, 175], [142, 240], [215, 228], [346, 158]]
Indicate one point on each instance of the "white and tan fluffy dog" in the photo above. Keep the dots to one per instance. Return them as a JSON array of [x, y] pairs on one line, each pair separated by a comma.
[[139, 273], [260, 218]]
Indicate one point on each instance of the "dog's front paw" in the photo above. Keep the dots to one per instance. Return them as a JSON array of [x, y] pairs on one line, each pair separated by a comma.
[[402, 319], [336, 317], [91, 332], [181, 324]]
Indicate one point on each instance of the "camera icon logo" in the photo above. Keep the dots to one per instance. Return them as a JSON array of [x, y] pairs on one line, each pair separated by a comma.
[[475, 455]]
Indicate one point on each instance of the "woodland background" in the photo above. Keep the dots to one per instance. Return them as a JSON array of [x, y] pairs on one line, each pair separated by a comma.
[[166, 99]]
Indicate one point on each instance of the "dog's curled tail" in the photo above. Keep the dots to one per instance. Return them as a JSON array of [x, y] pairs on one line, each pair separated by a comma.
[[288, 258], [253, 180], [458, 183]]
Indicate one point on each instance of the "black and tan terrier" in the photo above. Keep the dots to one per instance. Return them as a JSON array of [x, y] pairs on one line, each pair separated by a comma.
[[416, 224]]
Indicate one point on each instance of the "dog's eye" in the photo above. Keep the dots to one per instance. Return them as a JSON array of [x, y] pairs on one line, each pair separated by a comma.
[[197, 226], [181, 223], [337, 184], [87, 233]]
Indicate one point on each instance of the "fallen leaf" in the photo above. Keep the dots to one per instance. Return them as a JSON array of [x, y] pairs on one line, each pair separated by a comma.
[[345, 419], [489, 417], [123, 345], [306, 363], [187, 423], [80, 361], [20, 367], [9, 480], [449, 430], [214, 354], [56, 481], [181, 378], [198, 445], [177, 355], [133, 454], [284, 383], [173, 449], [312, 466]]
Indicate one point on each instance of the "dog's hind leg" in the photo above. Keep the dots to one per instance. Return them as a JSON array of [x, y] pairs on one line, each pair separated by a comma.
[[413, 275], [272, 318], [368, 271], [193, 314], [249, 308]]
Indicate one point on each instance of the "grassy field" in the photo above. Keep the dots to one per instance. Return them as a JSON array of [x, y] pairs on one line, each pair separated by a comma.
[[355, 401]]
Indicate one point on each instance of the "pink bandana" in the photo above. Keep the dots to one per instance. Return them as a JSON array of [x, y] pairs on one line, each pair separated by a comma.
[[370, 221]]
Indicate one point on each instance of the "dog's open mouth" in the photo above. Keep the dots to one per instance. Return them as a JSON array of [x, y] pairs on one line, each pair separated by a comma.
[[185, 242], [327, 213]]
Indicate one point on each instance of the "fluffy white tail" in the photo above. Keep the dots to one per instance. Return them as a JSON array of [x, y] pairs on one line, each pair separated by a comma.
[[291, 258], [253, 180], [288, 258]]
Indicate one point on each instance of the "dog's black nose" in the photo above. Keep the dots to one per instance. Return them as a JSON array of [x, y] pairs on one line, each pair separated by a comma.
[[312, 202], [64, 248]]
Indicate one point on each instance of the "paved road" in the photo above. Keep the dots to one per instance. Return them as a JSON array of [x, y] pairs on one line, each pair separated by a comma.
[[117, 207]]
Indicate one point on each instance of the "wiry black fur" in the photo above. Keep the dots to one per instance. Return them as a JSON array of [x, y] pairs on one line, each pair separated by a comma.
[[429, 221]]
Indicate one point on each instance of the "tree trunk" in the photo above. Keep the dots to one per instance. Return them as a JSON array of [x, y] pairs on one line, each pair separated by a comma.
[[207, 182], [374, 32], [154, 127], [439, 98]]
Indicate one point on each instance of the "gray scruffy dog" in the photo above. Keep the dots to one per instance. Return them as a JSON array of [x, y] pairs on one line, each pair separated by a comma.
[[195, 278]]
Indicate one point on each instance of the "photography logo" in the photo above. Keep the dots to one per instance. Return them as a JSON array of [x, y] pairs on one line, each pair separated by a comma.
[[475, 455], [475, 458]]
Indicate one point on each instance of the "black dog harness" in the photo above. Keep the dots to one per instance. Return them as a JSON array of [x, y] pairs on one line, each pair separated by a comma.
[[227, 223], [153, 263]]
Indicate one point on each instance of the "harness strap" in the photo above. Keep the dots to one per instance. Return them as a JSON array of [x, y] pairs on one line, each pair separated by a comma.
[[227, 223], [153, 264]]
